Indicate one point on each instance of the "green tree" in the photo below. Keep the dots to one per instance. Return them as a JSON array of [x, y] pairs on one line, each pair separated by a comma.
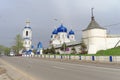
[[52, 50], [73, 50], [4, 50], [18, 44], [46, 51], [63, 47], [1, 49], [7, 50], [83, 48]]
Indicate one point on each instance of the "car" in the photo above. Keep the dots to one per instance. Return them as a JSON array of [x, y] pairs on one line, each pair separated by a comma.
[[18, 55], [12, 54]]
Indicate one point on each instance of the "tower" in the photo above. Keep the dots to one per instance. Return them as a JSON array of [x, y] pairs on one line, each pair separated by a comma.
[[27, 36], [94, 36], [71, 35]]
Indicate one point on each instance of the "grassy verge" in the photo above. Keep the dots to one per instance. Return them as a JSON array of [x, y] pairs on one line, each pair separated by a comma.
[[108, 52], [112, 52]]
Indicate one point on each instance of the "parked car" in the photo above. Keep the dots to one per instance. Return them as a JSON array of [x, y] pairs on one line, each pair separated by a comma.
[[18, 54], [12, 54]]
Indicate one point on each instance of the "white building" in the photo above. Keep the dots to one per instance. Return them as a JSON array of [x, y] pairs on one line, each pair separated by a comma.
[[96, 38], [60, 36], [27, 36]]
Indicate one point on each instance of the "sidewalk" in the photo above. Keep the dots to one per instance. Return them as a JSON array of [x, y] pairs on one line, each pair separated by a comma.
[[12, 73], [4, 75]]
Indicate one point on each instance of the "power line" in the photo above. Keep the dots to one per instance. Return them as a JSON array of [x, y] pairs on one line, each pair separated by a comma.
[[112, 25]]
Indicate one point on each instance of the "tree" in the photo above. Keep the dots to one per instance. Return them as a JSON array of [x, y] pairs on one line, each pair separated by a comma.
[[18, 44], [73, 50], [4, 50], [7, 50], [83, 48], [52, 50], [46, 51], [63, 47], [1, 49]]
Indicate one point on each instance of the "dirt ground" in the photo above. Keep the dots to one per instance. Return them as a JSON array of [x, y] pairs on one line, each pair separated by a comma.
[[2, 71]]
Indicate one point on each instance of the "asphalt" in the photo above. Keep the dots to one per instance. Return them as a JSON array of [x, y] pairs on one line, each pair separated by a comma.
[[41, 69]]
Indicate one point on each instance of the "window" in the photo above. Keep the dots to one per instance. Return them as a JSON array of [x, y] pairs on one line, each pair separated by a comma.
[[26, 33]]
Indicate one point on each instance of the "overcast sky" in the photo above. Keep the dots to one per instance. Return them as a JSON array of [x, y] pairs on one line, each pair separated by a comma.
[[74, 14]]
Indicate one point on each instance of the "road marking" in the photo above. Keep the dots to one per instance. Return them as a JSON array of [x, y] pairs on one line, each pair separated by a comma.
[[58, 67]]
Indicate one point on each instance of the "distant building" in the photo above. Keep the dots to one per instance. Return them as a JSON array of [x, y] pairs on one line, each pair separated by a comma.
[[27, 38], [60, 36]]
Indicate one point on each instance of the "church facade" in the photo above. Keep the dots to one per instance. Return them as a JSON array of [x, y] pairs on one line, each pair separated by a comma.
[[27, 41], [27, 36], [60, 36]]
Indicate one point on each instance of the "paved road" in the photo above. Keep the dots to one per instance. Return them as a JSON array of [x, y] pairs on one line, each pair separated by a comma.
[[40, 69]]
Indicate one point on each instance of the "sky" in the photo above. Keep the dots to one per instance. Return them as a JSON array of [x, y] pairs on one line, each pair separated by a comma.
[[73, 14]]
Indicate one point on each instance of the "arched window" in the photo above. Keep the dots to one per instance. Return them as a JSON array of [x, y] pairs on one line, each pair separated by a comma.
[[26, 33]]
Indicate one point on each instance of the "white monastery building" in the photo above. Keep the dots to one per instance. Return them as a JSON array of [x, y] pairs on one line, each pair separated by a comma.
[[60, 36], [96, 38]]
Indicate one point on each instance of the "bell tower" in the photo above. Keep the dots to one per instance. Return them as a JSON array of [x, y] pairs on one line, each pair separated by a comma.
[[27, 36]]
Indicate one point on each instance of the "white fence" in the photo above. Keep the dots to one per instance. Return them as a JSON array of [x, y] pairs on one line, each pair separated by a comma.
[[115, 59]]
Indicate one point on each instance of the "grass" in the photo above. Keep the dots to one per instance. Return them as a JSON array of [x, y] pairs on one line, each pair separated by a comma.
[[108, 52]]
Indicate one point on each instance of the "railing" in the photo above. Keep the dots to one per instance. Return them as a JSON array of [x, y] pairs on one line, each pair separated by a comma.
[[115, 59]]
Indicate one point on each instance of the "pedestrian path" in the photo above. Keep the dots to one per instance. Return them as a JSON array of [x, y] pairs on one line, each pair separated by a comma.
[[5, 77]]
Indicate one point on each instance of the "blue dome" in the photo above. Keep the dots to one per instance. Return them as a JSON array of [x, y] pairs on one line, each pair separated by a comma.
[[71, 32], [54, 32], [62, 29]]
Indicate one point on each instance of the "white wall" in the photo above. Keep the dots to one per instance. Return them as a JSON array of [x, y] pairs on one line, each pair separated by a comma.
[[95, 39], [29, 33], [112, 41], [27, 44]]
